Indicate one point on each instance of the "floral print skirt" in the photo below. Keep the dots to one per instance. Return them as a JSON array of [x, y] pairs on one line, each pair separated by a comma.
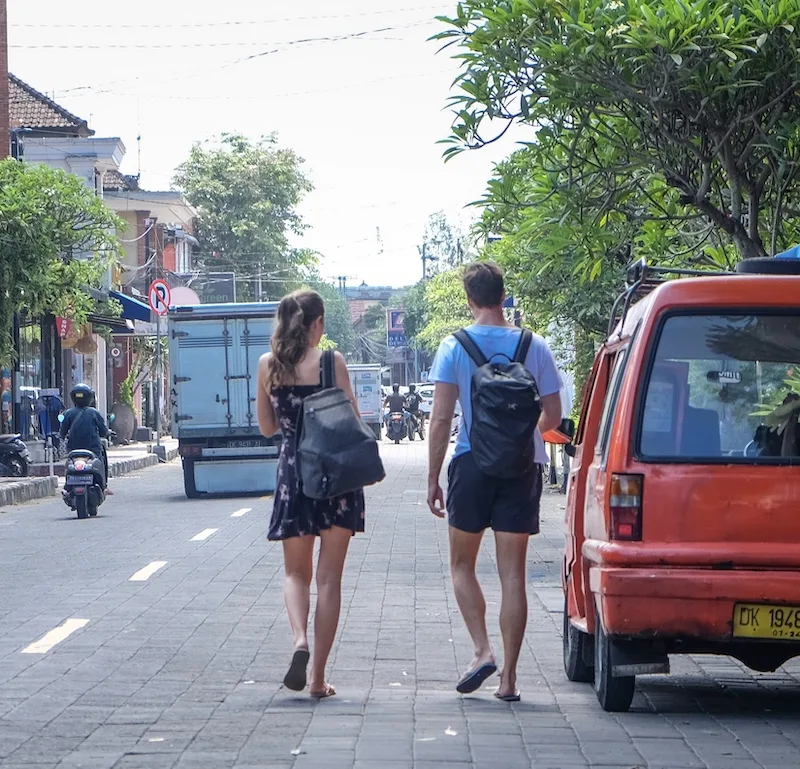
[[294, 514]]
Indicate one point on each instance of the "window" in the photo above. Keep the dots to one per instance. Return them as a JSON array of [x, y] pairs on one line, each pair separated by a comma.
[[724, 388], [610, 404]]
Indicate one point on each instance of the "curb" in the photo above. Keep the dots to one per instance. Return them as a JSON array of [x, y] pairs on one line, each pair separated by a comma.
[[24, 491], [39, 488], [126, 466]]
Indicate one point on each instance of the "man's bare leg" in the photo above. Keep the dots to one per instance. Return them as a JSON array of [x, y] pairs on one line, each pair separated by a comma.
[[464, 547], [512, 551]]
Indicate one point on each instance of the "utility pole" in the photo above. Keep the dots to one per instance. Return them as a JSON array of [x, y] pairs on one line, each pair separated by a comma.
[[5, 120]]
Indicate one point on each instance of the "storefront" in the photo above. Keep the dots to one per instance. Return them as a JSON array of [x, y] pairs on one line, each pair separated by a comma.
[[36, 371]]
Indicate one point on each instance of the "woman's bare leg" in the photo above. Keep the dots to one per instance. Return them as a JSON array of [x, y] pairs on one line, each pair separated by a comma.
[[298, 557], [332, 553]]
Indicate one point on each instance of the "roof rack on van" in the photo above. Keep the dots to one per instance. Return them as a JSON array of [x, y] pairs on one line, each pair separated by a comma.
[[641, 279]]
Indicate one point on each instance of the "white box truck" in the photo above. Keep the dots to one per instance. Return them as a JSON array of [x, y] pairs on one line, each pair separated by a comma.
[[366, 382], [214, 351]]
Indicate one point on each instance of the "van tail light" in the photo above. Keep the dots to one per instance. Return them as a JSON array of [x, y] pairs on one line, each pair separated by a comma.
[[625, 507]]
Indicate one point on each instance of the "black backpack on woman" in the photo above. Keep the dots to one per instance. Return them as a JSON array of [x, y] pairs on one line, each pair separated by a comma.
[[336, 452]]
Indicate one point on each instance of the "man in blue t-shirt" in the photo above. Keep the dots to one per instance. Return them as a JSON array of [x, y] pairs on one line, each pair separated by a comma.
[[477, 501]]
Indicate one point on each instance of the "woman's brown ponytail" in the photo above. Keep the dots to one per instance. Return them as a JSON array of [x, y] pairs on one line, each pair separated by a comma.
[[296, 313]]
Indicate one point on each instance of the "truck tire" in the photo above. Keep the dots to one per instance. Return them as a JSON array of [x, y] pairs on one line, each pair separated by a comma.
[[614, 694], [574, 652], [188, 479]]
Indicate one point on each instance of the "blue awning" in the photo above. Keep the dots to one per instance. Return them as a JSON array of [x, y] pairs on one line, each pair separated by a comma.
[[132, 309]]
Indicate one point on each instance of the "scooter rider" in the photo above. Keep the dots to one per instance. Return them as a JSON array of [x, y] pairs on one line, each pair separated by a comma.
[[396, 403], [413, 402], [85, 425]]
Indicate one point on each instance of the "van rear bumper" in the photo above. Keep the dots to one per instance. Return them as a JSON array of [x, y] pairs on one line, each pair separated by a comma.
[[683, 602]]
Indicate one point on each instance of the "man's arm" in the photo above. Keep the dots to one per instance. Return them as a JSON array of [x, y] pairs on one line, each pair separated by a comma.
[[551, 412], [444, 404], [65, 425], [102, 427]]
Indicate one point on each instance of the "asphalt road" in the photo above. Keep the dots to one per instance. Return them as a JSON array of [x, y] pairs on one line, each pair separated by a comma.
[[155, 636]]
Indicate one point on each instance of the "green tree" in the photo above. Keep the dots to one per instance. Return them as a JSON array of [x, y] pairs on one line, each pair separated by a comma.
[[247, 195], [338, 327], [416, 310], [56, 238], [444, 246], [447, 309], [696, 100]]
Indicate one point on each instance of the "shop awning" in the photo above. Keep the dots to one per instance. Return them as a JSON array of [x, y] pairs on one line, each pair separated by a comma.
[[132, 309], [117, 325]]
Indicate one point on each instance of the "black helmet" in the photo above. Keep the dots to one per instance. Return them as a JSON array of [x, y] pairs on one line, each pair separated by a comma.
[[395, 388], [82, 395]]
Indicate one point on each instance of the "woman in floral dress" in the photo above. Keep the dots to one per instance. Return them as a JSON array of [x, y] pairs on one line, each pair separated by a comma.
[[289, 373]]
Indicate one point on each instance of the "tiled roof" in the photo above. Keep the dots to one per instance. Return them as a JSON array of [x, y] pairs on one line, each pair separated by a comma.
[[33, 110], [114, 181]]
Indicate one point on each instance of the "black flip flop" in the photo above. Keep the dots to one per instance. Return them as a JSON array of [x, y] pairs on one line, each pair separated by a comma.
[[474, 679], [296, 677], [515, 697]]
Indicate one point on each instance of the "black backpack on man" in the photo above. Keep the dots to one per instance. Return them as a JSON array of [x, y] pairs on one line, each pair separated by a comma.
[[505, 410]]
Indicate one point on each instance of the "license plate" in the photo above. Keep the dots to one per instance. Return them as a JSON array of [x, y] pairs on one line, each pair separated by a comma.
[[245, 444], [80, 480], [752, 620]]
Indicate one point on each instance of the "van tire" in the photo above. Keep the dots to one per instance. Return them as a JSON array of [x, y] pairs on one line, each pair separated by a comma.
[[188, 479], [614, 694], [574, 649]]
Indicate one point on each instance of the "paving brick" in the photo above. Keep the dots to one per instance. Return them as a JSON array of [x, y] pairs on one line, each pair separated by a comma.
[[185, 670]]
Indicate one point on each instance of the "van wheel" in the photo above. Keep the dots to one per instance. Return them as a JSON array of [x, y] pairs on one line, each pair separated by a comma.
[[188, 479], [614, 694], [574, 650]]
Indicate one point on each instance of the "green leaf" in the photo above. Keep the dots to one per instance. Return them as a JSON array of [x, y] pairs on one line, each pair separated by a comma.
[[677, 58], [762, 40]]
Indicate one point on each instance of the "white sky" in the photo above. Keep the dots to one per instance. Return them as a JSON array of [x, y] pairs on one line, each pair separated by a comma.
[[364, 113]]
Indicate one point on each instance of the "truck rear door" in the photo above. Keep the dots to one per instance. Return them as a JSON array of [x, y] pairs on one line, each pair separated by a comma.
[[251, 339], [198, 354]]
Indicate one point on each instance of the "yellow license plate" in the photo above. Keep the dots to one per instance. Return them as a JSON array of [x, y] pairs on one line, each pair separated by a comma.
[[753, 620]]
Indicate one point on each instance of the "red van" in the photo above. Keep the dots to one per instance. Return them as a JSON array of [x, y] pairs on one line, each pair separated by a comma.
[[683, 506]]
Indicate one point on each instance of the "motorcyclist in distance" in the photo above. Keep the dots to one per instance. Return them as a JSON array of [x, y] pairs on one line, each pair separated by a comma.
[[413, 403], [84, 426], [396, 403]]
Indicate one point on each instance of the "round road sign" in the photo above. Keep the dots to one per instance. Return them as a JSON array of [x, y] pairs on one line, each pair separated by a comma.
[[160, 297]]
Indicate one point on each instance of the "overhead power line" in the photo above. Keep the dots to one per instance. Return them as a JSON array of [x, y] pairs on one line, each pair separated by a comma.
[[218, 44], [235, 23]]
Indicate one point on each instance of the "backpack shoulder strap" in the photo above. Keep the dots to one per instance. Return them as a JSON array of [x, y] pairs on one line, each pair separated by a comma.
[[327, 370], [468, 343], [524, 344]]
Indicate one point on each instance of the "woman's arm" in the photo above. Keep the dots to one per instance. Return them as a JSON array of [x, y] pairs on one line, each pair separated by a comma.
[[267, 418], [343, 379]]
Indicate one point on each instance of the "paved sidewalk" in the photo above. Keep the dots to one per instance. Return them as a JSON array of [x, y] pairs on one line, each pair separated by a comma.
[[184, 670]]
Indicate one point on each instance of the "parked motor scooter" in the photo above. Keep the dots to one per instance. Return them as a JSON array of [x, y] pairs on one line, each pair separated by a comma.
[[14, 456], [396, 427]]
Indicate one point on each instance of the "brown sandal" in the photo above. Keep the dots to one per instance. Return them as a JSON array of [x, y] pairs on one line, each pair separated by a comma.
[[328, 692]]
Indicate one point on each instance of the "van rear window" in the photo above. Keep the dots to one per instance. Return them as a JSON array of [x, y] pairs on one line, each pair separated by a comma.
[[724, 388]]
